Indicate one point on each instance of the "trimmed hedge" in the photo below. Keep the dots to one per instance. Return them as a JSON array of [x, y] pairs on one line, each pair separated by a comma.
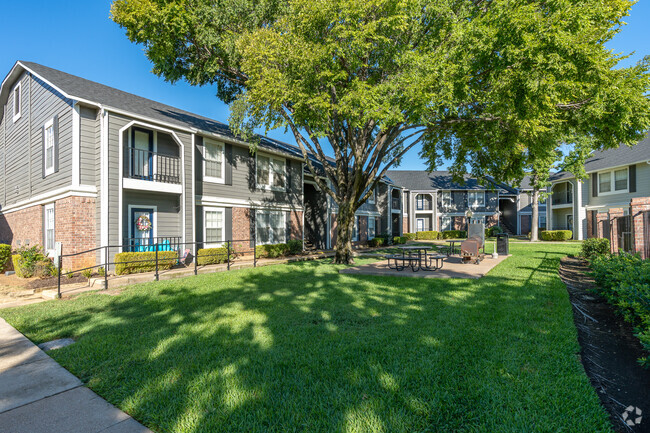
[[594, 247], [211, 256], [133, 263], [410, 236], [556, 235], [5, 255], [454, 234], [624, 280], [427, 235], [292, 247], [398, 240], [376, 242]]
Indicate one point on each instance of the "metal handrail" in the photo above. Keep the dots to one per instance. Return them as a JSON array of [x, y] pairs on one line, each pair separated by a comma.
[[153, 166]]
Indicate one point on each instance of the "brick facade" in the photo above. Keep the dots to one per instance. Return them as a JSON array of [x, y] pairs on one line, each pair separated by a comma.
[[602, 231], [614, 213], [491, 221], [241, 230], [74, 227], [637, 207], [525, 224], [405, 224], [590, 224]]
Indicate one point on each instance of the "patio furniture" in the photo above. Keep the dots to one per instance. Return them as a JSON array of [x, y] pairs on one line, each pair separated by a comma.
[[417, 259], [451, 248]]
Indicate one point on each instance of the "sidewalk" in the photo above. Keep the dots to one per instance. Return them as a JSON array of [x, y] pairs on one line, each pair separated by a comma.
[[38, 395]]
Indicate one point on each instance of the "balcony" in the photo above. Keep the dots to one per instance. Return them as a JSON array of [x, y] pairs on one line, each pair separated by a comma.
[[144, 168], [562, 197], [395, 203]]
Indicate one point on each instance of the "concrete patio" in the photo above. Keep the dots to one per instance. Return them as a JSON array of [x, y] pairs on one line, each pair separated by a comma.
[[452, 268]]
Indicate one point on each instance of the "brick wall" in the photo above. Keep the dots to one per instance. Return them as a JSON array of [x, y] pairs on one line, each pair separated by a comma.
[[525, 224], [590, 225], [241, 230], [491, 221], [405, 224], [637, 207], [458, 223], [22, 227], [614, 213], [296, 225], [602, 231]]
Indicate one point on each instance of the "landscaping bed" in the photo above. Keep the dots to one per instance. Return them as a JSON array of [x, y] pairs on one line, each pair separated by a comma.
[[609, 349]]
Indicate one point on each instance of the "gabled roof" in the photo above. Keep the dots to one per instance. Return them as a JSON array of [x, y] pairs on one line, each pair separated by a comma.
[[617, 157], [420, 180], [83, 90]]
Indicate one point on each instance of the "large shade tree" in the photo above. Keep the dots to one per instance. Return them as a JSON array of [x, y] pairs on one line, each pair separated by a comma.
[[482, 82]]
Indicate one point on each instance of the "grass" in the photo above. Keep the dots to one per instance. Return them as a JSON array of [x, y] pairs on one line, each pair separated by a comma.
[[302, 348]]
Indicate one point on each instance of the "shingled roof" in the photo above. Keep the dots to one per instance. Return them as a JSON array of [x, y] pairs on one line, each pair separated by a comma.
[[420, 180], [78, 88]]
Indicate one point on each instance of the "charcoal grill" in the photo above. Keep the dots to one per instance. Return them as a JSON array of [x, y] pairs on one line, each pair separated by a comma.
[[470, 249]]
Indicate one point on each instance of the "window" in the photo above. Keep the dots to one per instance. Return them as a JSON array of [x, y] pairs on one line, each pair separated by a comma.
[[541, 221], [420, 202], [478, 220], [419, 225], [613, 181], [476, 199], [445, 222], [271, 173], [270, 227], [49, 227], [371, 227], [355, 229], [17, 101], [213, 161], [214, 226], [48, 147], [372, 197], [446, 199]]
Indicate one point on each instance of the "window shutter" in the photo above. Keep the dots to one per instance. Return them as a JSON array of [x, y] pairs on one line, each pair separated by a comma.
[[43, 150], [594, 185], [632, 178], [288, 179], [228, 162], [56, 143], [252, 227], [228, 224], [198, 153], [287, 222]]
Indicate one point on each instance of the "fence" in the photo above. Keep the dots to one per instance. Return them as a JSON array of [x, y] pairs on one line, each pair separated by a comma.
[[187, 252], [625, 233]]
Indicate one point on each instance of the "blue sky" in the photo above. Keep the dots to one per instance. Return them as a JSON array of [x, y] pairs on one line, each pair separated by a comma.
[[78, 37]]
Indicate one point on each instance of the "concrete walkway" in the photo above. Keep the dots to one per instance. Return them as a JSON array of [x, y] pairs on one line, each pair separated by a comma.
[[38, 395]]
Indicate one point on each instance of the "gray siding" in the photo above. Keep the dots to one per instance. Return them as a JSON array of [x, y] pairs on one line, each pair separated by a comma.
[[89, 145], [526, 202], [428, 221], [459, 202], [168, 216], [642, 189], [243, 180]]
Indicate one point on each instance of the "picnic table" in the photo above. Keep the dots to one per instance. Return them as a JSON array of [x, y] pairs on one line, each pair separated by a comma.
[[416, 258], [451, 249]]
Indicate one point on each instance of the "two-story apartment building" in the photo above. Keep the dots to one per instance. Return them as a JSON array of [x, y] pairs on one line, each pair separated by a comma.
[[618, 185], [89, 165]]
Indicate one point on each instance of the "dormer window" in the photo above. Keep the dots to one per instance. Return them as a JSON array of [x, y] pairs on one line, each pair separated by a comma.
[[17, 102]]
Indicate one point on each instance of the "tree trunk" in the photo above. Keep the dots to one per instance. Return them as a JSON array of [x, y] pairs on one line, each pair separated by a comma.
[[344, 229], [534, 223]]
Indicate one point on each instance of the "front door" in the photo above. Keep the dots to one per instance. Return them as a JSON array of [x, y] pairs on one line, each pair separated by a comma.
[[142, 228], [420, 225]]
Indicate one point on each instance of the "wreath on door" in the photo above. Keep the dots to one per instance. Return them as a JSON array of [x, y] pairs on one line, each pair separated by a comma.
[[143, 223]]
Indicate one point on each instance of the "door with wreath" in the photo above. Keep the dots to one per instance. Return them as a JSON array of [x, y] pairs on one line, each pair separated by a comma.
[[143, 230]]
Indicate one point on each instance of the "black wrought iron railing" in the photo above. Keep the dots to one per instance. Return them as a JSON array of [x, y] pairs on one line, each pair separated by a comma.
[[396, 203], [562, 197], [153, 166], [141, 245]]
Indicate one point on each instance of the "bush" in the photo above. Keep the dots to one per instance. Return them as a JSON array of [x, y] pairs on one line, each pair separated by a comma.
[[295, 247], [88, 273], [624, 280], [5, 255], [376, 242], [399, 240], [594, 247], [211, 256], [493, 231], [556, 235], [272, 251], [427, 235], [454, 234], [32, 262], [133, 263], [410, 236]]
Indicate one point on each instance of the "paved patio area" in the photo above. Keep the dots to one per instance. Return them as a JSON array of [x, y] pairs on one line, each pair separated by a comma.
[[452, 268]]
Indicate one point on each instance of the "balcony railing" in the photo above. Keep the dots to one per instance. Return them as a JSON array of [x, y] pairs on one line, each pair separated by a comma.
[[562, 197], [140, 245], [153, 166], [395, 203]]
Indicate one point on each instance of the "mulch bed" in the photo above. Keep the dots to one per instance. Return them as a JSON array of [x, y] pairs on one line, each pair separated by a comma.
[[48, 282], [609, 349]]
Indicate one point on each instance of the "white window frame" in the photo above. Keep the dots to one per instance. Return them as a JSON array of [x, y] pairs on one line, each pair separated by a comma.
[[222, 211], [17, 113], [271, 241], [478, 219], [49, 125], [419, 198], [269, 186], [446, 199], [478, 201], [443, 225], [222, 151], [46, 228], [612, 181], [371, 234], [417, 224]]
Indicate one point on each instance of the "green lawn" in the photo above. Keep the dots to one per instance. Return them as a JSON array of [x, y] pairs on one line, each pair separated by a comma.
[[301, 348]]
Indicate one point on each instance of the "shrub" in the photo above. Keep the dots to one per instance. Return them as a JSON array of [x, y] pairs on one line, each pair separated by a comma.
[[376, 242], [132, 263], [32, 261], [624, 280], [454, 234], [5, 255], [556, 235], [295, 246], [399, 240], [211, 256], [427, 235], [410, 236], [87, 273], [594, 247], [271, 251], [101, 271], [493, 231]]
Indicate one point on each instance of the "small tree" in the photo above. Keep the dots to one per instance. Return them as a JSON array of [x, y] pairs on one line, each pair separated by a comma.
[[373, 78]]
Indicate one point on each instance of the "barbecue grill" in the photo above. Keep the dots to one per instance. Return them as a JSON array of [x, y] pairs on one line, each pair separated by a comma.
[[470, 249]]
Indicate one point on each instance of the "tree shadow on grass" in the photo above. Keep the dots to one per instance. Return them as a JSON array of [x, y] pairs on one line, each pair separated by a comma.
[[302, 348]]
